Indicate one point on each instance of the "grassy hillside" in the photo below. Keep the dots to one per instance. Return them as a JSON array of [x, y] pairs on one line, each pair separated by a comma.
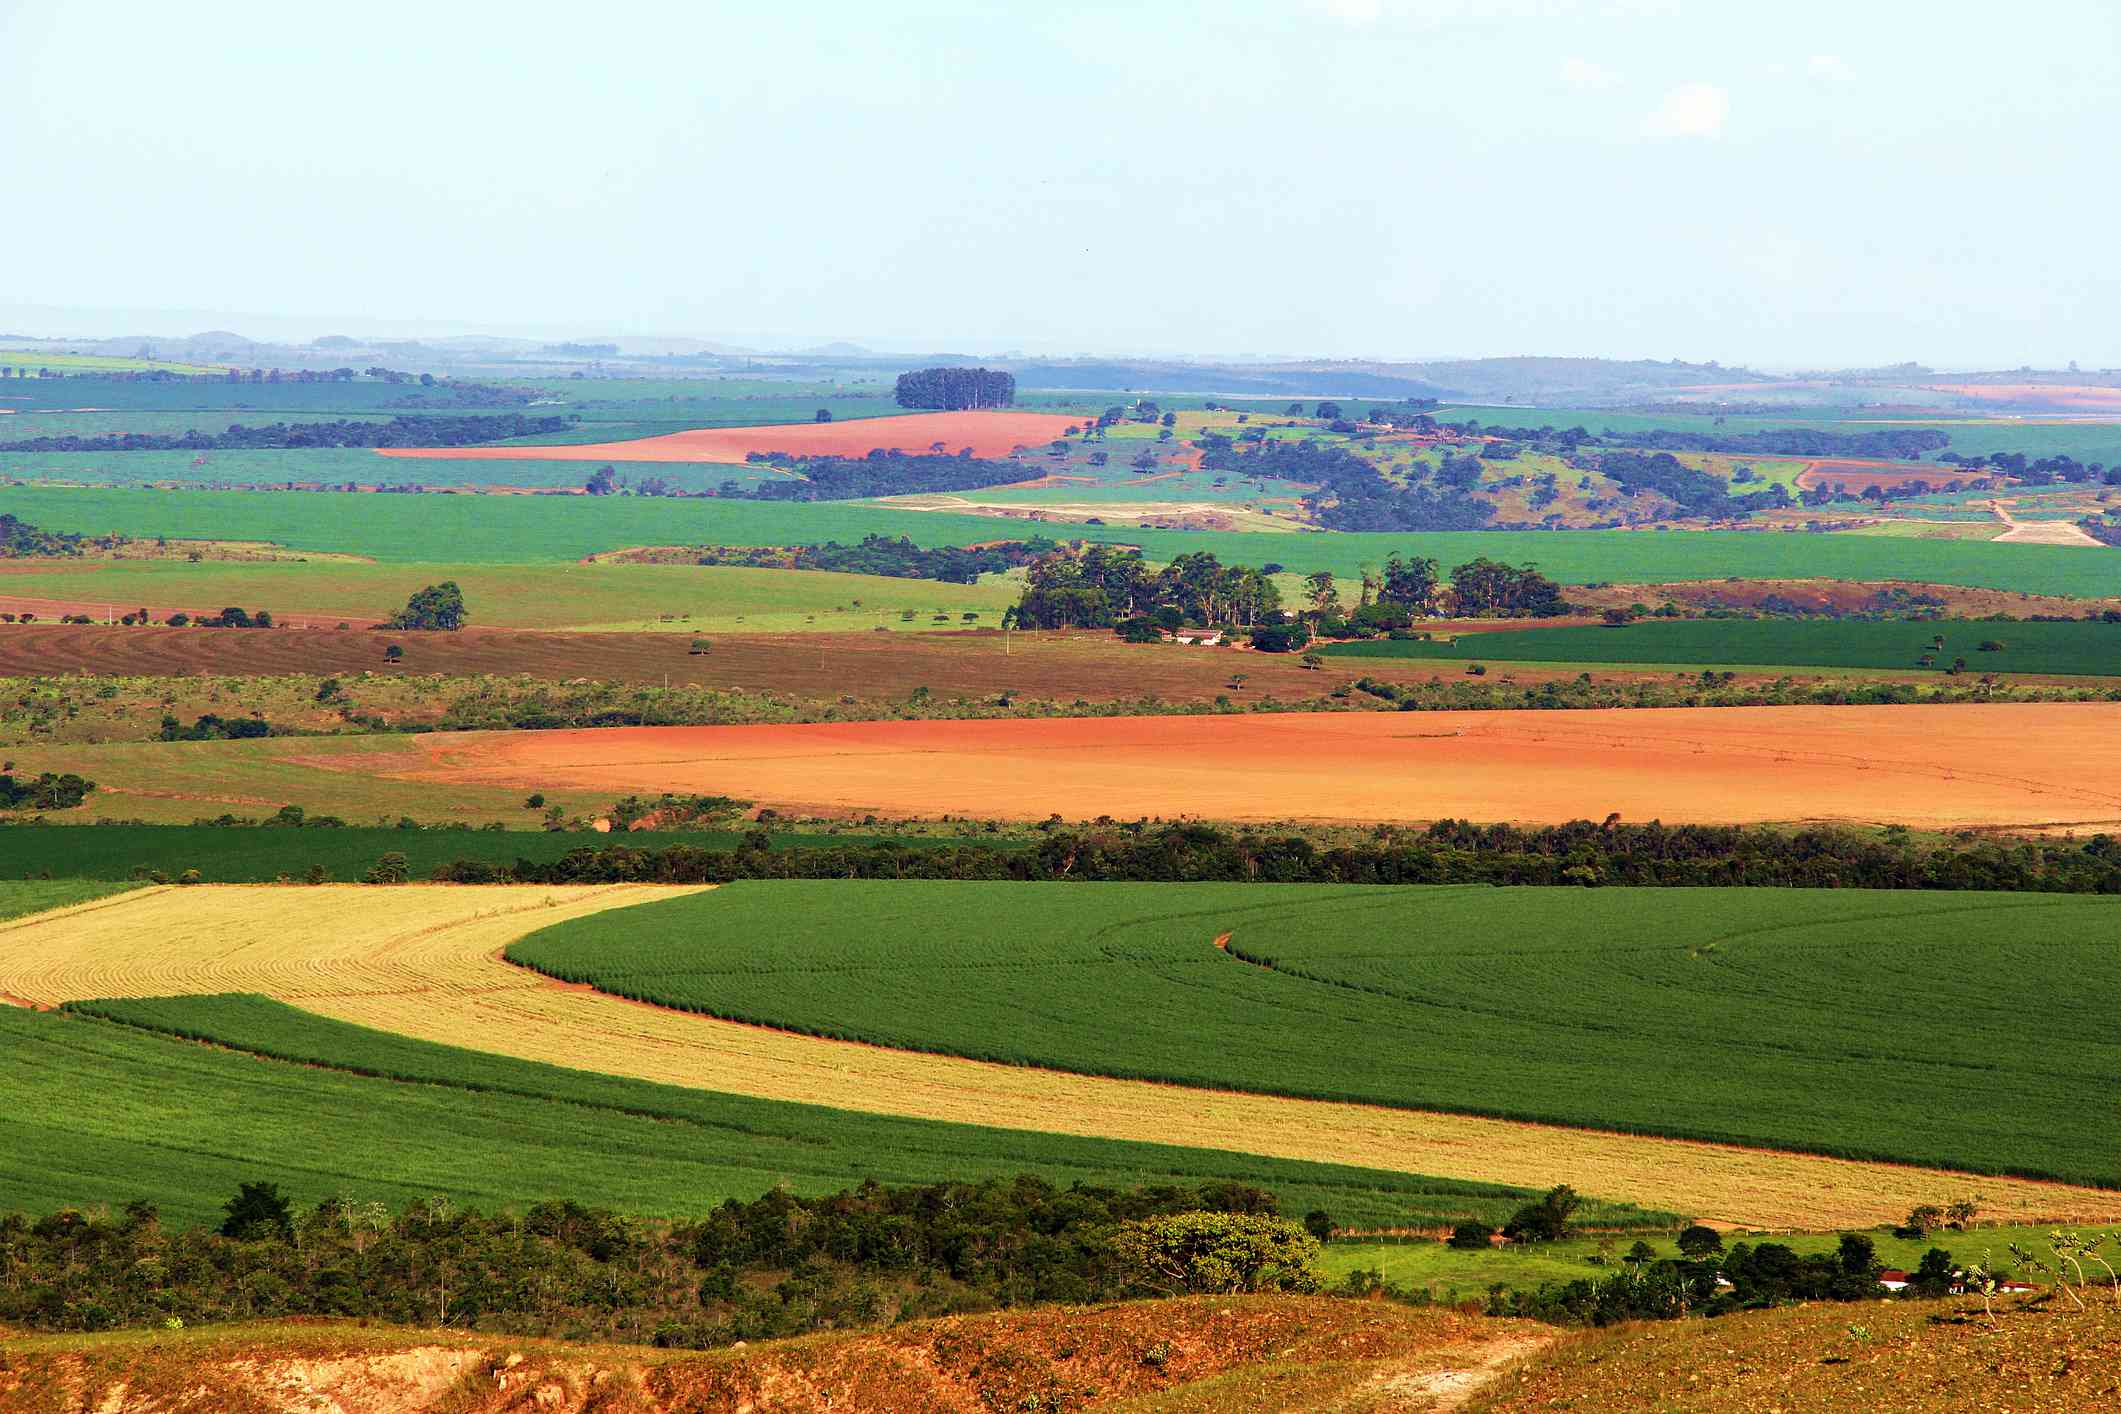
[[1872, 1024], [516, 530], [36, 896], [2064, 648], [106, 1112]]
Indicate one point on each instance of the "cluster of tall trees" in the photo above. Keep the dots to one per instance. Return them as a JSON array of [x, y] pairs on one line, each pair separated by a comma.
[[954, 389], [779, 1265], [884, 472], [46, 791], [1584, 853], [1411, 587], [1696, 492], [421, 431], [892, 558], [20, 538], [1101, 585], [1352, 494]]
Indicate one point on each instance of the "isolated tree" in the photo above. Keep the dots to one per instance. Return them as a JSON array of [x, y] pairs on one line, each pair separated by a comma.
[[1319, 1223], [1320, 590], [1187, 1253], [437, 607], [823, 415], [1328, 411], [1471, 1237]]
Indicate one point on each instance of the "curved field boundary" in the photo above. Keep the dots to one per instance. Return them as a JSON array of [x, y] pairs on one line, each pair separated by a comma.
[[420, 960]]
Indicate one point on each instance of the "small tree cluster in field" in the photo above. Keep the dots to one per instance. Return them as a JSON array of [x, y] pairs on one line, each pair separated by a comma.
[[953, 389], [48, 791], [438, 607]]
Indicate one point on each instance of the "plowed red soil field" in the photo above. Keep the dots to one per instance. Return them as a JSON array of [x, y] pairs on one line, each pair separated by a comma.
[[988, 434], [1993, 764], [1856, 475]]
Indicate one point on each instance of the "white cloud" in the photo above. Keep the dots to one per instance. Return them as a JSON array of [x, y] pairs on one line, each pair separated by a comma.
[[1831, 68], [1582, 73], [1690, 110]]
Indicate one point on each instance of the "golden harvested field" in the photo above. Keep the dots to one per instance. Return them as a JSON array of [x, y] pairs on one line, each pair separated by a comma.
[[423, 961], [2018, 765]]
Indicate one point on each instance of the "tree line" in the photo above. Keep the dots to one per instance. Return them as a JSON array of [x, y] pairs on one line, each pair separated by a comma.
[[779, 1265], [883, 472], [427, 430], [955, 389], [890, 558], [1580, 854]]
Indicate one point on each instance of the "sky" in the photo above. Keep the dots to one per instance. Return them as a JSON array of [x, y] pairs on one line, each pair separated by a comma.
[[1786, 185]]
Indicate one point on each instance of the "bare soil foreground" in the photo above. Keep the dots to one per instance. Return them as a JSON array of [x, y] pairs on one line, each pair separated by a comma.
[[1197, 1353], [2033, 766], [424, 961], [988, 434]]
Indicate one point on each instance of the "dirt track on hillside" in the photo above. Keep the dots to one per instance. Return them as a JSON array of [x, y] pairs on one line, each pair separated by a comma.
[[1937, 767], [988, 434]]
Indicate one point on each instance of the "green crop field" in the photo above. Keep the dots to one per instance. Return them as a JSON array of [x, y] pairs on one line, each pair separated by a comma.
[[17, 899], [2067, 648], [522, 529], [31, 360], [550, 596], [101, 1113], [233, 855], [272, 468], [1966, 1030]]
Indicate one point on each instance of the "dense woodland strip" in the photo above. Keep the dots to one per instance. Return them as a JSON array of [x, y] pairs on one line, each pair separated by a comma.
[[955, 389], [401, 431], [882, 555], [1583, 853]]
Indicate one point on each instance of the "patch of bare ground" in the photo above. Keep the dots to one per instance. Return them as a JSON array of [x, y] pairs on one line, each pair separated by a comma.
[[1196, 1353], [2039, 1357]]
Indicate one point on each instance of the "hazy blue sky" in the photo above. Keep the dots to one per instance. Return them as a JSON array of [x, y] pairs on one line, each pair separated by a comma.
[[1787, 183]]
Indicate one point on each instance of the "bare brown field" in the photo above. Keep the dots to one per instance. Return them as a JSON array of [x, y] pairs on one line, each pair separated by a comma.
[[1856, 474], [1936, 767], [423, 960], [988, 434]]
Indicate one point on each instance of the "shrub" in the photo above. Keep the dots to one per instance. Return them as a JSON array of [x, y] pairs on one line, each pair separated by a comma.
[[1470, 1236], [1217, 1252]]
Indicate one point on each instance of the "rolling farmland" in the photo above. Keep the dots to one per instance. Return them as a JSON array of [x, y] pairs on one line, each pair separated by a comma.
[[520, 529], [2060, 648], [426, 968], [1785, 1018]]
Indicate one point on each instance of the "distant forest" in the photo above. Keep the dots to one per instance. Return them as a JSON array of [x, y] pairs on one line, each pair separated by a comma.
[[431, 431], [881, 555], [954, 389]]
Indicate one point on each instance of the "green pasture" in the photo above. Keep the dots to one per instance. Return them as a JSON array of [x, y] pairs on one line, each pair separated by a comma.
[[273, 468], [676, 598], [2079, 647], [103, 1113], [1430, 1265], [30, 360], [527, 529], [18, 899], [1956, 1030]]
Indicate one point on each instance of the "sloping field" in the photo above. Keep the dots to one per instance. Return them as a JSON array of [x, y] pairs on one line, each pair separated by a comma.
[[1743, 1015], [1856, 474], [988, 434], [426, 967], [2078, 647], [1944, 766], [699, 598]]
